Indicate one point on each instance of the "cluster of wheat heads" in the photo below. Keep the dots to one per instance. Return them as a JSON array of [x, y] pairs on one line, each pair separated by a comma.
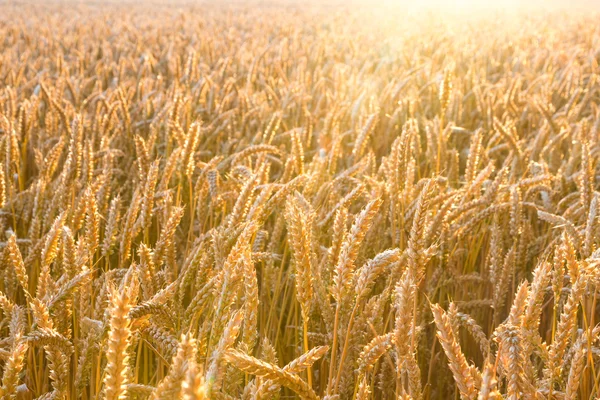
[[283, 203]]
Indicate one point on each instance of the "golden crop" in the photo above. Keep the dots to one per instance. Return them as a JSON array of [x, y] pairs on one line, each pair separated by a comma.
[[235, 202]]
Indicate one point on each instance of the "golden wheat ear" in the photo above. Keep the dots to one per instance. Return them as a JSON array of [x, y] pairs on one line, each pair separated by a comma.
[[118, 372]]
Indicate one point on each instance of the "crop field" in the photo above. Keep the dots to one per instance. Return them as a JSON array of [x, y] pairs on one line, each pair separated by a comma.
[[298, 201]]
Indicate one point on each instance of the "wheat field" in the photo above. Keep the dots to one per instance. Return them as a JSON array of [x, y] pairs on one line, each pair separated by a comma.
[[276, 202]]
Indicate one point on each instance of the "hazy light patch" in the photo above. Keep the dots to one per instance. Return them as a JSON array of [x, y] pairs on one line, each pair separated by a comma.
[[467, 6]]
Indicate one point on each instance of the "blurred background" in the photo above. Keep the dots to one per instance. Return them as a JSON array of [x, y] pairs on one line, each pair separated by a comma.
[[446, 5]]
